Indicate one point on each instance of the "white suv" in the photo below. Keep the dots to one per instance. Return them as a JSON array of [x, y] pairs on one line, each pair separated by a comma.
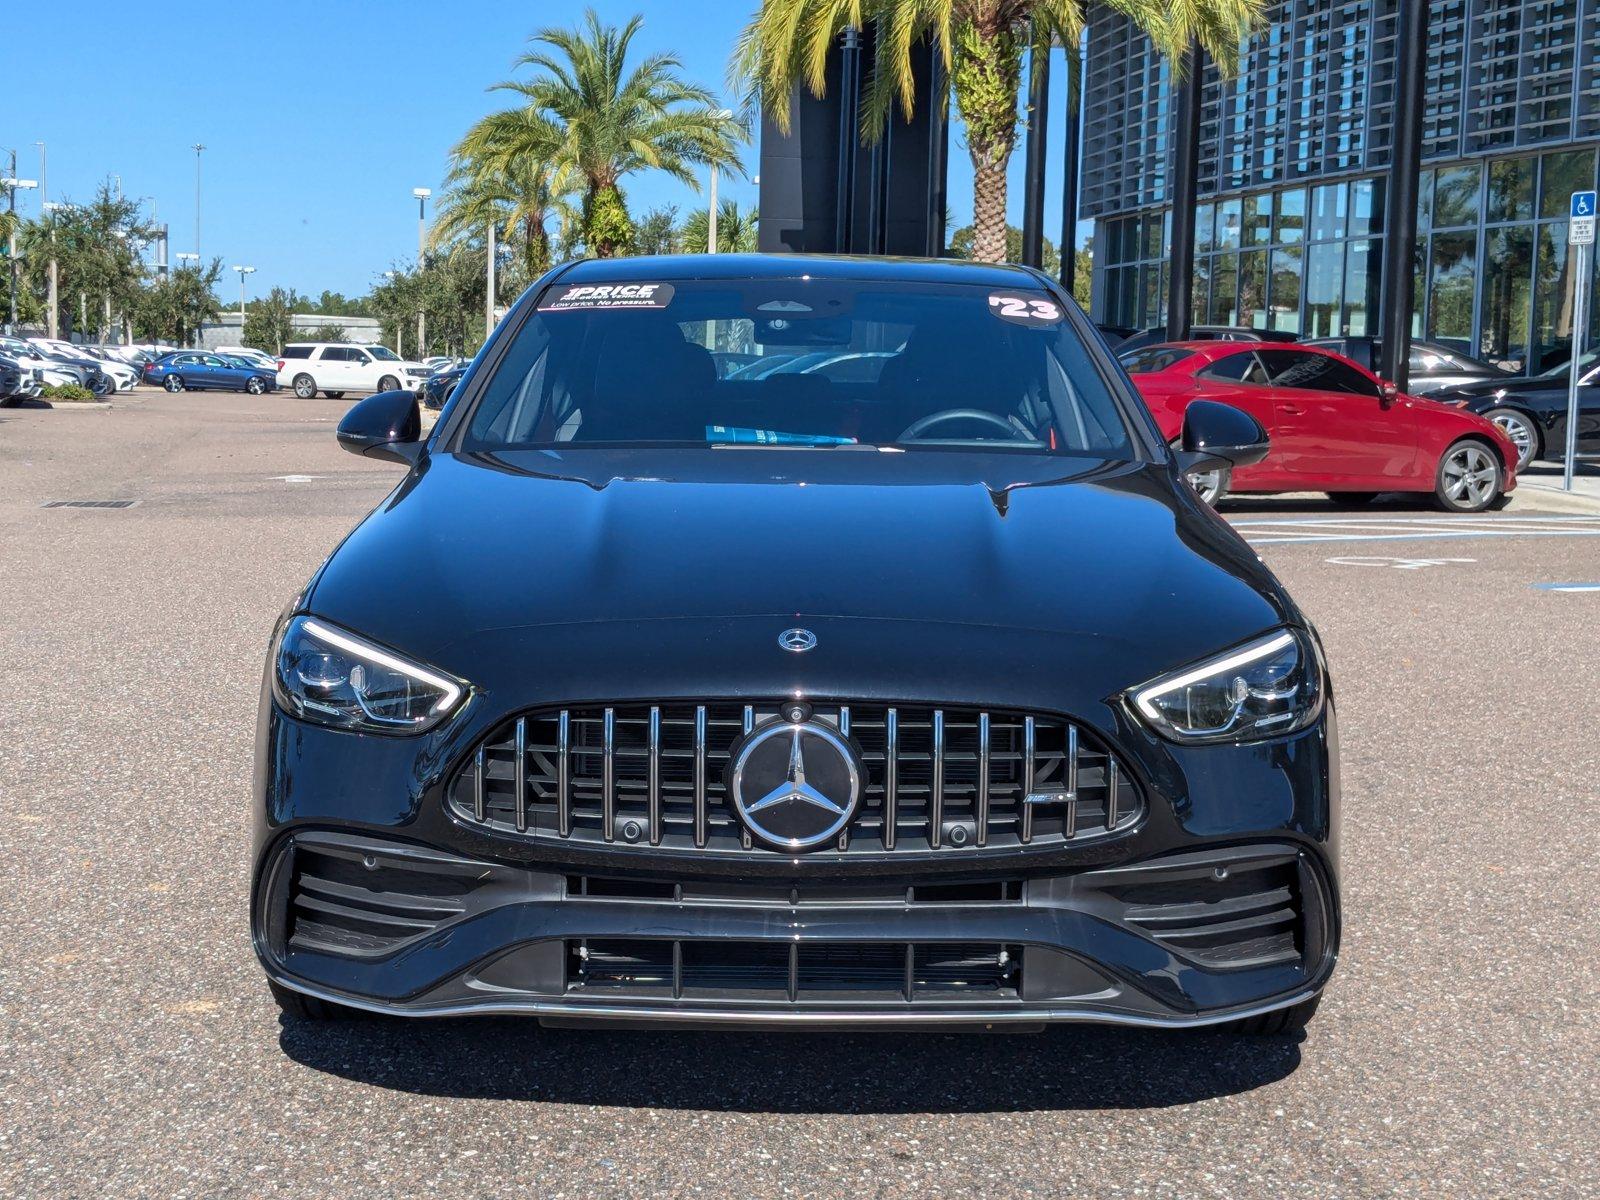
[[334, 368]]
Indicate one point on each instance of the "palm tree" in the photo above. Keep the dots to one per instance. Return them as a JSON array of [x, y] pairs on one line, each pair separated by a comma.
[[982, 43], [502, 173], [736, 229], [587, 112]]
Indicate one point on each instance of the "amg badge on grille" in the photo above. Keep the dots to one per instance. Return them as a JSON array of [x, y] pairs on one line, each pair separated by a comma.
[[795, 786]]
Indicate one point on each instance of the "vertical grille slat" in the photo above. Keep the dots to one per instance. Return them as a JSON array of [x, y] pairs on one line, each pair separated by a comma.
[[891, 776], [983, 779], [520, 775], [564, 773], [942, 780], [608, 777], [479, 767], [700, 777], [655, 776], [745, 841], [1029, 749], [1072, 783]]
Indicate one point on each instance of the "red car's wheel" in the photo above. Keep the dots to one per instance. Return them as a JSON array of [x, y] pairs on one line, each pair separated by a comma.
[[1210, 486], [1469, 479]]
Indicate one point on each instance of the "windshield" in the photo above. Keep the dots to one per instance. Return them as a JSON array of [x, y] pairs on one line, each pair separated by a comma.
[[383, 352], [799, 363], [1585, 364], [1153, 359]]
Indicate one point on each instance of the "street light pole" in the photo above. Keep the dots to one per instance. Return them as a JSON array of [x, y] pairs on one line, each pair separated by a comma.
[[11, 183], [725, 114], [185, 256], [711, 222], [197, 148], [243, 271], [488, 316], [422, 195], [53, 320]]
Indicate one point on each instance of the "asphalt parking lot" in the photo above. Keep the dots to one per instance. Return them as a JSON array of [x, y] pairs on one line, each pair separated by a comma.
[[140, 1054]]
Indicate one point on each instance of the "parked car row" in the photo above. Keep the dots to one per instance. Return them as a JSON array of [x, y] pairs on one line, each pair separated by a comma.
[[51, 366], [1333, 425]]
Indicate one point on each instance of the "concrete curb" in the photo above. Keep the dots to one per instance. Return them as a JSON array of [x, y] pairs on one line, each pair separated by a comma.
[[70, 405], [1550, 498]]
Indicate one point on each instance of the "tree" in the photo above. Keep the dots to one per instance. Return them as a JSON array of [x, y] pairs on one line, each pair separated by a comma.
[[982, 44], [175, 306], [963, 239], [736, 230], [449, 288], [501, 176], [657, 231], [268, 324], [96, 248], [328, 331], [1082, 275], [589, 113]]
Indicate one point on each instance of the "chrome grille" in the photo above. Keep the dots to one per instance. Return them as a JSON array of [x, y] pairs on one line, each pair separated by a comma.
[[937, 779]]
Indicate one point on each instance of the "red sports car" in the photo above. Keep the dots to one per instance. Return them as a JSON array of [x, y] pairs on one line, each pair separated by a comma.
[[1334, 427]]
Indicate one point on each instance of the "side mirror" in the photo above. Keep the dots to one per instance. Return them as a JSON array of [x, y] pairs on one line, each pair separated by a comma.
[[387, 425], [1219, 435], [1388, 391]]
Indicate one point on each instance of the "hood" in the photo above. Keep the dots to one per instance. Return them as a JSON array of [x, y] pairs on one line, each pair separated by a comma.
[[1493, 389], [476, 551]]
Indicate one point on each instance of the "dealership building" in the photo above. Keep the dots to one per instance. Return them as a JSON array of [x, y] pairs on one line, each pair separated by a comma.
[[1293, 156]]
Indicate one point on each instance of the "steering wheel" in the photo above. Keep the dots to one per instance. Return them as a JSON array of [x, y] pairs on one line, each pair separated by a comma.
[[918, 428]]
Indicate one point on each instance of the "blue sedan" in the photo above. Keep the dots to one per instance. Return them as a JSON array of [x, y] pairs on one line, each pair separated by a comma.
[[194, 369]]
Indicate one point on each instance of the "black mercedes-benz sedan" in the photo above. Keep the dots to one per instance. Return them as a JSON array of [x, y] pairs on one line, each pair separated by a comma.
[[1533, 409], [920, 693]]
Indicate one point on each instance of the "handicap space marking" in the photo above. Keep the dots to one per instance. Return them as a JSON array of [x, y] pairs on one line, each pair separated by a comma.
[[1303, 530], [1565, 587], [1399, 564]]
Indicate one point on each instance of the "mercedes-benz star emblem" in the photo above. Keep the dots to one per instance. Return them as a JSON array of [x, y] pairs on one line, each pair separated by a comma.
[[795, 786], [798, 640]]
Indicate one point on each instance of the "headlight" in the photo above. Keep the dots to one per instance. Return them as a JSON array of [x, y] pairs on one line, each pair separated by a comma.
[[1266, 688], [334, 678]]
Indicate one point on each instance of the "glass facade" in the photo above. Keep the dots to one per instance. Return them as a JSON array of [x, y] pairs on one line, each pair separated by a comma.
[[1289, 232]]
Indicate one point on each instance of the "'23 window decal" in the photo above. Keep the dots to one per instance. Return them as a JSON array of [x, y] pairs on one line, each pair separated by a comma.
[[1024, 310]]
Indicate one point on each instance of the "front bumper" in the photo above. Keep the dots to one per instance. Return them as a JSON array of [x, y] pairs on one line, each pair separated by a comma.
[[1221, 903], [1132, 926], [403, 929]]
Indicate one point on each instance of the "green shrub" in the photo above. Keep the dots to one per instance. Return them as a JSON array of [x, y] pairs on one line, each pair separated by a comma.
[[71, 392]]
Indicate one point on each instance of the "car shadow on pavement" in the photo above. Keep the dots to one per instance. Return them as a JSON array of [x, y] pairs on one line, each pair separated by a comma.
[[1065, 1067]]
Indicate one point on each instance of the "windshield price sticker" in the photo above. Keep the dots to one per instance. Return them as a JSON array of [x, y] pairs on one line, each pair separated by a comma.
[[610, 295], [1025, 310]]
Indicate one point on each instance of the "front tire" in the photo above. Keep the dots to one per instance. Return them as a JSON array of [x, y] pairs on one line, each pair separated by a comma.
[[305, 387], [388, 384], [1274, 1024], [1522, 431], [173, 383], [1469, 478], [301, 1007], [255, 386]]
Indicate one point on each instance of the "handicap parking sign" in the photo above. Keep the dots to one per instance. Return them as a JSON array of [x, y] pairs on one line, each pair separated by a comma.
[[1581, 232]]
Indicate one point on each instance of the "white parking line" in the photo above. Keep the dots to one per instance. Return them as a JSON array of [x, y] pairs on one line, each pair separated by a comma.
[[1291, 531]]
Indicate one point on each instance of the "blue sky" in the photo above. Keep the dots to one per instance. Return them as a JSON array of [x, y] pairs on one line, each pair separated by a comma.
[[318, 118]]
